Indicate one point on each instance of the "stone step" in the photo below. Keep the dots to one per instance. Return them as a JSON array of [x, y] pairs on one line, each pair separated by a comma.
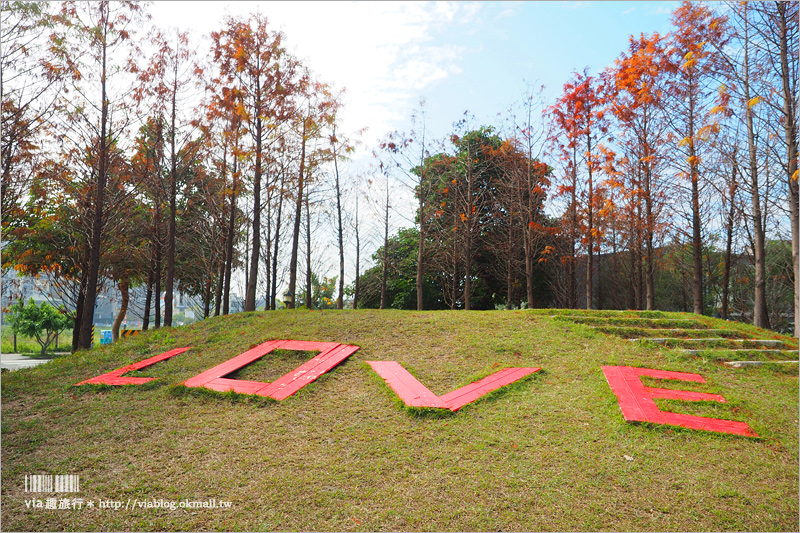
[[577, 313], [646, 323], [742, 364], [664, 340], [664, 330], [750, 350]]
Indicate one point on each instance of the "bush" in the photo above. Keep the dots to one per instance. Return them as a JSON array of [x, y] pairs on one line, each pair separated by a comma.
[[42, 323]]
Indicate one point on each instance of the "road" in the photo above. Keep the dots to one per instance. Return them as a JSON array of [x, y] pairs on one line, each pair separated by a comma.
[[15, 361]]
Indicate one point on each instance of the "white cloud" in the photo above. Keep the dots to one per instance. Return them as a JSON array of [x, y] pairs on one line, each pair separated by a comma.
[[506, 13], [384, 53], [664, 8]]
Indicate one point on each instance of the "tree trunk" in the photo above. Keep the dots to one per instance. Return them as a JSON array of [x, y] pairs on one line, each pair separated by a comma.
[[297, 217], [590, 219], [726, 274], [273, 296], [157, 300], [421, 258], [226, 296], [148, 299], [760, 314], [340, 231], [640, 293], [468, 272], [220, 287], [649, 235], [468, 236], [49, 338], [170, 274], [87, 319], [455, 263], [207, 298], [697, 249], [123, 308], [790, 133], [358, 260], [697, 240], [423, 186], [632, 275], [157, 271], [76, 329], [246, 257], [529, 267], [573, 274], [509, 266], [252, 280], [268, 249], [309, 287], [169, 285], [528, 228], [385, 269]]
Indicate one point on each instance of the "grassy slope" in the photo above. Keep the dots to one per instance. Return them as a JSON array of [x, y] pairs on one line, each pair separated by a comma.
[[546, 454]]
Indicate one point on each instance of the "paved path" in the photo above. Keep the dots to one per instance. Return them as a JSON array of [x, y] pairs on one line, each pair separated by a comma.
[[15, 361]]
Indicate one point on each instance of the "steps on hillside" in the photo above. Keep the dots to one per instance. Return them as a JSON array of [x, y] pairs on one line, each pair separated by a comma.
[[577, 313], [690, 336], [689, 351], [642, 333], [665, 340], [742, 364], [647, 323]]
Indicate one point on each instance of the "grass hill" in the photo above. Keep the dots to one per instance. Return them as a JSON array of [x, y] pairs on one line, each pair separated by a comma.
[[551, 452]]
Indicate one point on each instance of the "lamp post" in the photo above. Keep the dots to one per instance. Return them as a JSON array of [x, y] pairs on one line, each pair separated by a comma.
[[288, 300]]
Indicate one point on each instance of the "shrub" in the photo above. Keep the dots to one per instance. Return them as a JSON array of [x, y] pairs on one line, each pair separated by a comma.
[[42, 323]]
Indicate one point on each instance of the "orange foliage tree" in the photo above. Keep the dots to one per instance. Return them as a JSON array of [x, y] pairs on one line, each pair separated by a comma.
[[635, 90], [579, 124], [691, 85], [252, 60], [164, 85]]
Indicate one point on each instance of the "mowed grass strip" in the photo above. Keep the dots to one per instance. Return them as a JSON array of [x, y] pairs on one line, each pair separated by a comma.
[[650, 323], [549, 453], [677, 333], [720, 343]]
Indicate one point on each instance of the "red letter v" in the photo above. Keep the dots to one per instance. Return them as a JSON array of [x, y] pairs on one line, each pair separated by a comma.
[[415, 394]]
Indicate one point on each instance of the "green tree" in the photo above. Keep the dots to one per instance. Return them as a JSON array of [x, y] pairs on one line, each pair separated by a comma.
[[321, 293], [92, 40], [42, 323], [486, 231], [401, 287]]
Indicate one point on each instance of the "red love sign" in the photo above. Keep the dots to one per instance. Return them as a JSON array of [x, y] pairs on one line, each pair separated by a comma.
[[635, 400]]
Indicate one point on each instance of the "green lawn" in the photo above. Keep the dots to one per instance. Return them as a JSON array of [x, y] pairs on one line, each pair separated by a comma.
[[549, 453]]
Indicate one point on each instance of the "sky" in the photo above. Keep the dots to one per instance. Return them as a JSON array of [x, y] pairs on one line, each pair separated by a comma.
[[476, 57], [458, 56]]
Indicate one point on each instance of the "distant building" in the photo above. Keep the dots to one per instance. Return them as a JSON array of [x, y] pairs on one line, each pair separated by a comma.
[[46, 289]]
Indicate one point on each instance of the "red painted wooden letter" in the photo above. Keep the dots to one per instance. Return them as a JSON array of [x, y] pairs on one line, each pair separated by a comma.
[[331, 354], [637, 405], [115, 376], [415, 394]]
